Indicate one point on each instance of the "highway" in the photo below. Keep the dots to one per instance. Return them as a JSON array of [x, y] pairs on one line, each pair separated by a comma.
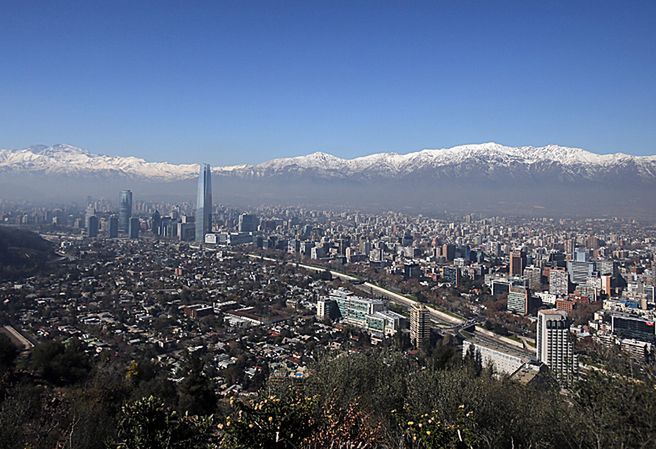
[[394, 297], [18, 337], [453, 324]]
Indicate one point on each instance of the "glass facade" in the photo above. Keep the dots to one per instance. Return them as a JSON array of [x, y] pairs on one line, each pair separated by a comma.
[[125, 211], [204, 203]]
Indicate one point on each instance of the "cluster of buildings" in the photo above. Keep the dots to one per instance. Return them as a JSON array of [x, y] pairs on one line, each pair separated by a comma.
[[248, 319], [369, 314], [554, 350], [594, 278]]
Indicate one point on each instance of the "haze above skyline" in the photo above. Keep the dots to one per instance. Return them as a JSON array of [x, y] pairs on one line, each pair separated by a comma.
[[231, 83]]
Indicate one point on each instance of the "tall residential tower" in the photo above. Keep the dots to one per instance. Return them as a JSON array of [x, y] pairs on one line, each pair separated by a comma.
[[204, 203], [554, 344], [419, 326]]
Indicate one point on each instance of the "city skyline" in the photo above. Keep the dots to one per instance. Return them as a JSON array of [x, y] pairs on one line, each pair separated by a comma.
[[479, 177], [306, 225], [503, 305]]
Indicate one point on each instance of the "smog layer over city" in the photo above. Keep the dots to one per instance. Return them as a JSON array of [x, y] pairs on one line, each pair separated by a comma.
[[305, 225]]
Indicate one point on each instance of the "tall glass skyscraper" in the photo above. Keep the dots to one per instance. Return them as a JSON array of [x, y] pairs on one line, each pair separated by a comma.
[[125, 211], [204, 203], [113, 226]]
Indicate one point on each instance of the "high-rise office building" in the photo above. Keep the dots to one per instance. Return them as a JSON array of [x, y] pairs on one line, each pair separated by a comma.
[[533, 275], [327, 309], [247, 223], [91, 211], [631, 326], [518, 299], [517, 263], [607, 284], [112, 227], [579, 271], [419, 328], [92, 226], [449, 252], [558, 281], [581, 255], [133, 228], [204, 203], [451, 275], [554, 344], [186, 231], [124, 211], [342, 244], [156, 222], [607, 267]]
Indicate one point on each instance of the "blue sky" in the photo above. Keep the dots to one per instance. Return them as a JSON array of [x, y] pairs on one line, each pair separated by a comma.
[[245, 81]]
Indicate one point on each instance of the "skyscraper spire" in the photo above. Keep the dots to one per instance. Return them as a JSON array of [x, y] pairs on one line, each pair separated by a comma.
[[204, 203]]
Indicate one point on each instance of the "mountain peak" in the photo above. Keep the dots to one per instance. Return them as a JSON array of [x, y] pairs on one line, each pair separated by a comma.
[[321, 156], [59, 148]]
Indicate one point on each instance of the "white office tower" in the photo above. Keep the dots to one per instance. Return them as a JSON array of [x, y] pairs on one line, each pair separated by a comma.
[[554, 344]]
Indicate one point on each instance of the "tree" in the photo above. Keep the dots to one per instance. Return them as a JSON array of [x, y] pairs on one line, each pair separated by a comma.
[[616, 411], [196, 393], [473, 361], [61, 363], [270, 421], [8, 352], [148, 423]]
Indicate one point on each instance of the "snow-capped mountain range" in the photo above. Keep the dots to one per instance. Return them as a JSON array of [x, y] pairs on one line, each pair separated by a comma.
[[70, 160], [485, 160]]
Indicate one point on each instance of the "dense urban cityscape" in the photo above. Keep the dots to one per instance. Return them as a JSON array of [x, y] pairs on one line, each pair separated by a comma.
[[328, 224], [258, 295]]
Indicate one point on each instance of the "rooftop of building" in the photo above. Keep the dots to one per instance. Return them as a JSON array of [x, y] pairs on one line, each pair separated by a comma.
[[494, 346], [553, 312]]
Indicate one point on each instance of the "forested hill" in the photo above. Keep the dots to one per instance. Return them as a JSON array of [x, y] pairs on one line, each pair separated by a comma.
[[22, 252]]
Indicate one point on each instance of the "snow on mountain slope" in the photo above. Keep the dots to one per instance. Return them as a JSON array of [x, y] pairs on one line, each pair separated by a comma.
[[487, 159], [484, 158], [67, 159]]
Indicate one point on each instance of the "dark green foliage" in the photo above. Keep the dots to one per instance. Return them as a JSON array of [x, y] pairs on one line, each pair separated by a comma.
[[196, 392], [148, 423], [445, 354], [621, 412], [376, 380], [290, 419], [503, 410], [61, 363], [22, 252], [274, 421], [601, 411], [20, 238], [377, 398], [31, 417], [8, 352], [18, 407], [430, 431], [473, 361], [95, 407]]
